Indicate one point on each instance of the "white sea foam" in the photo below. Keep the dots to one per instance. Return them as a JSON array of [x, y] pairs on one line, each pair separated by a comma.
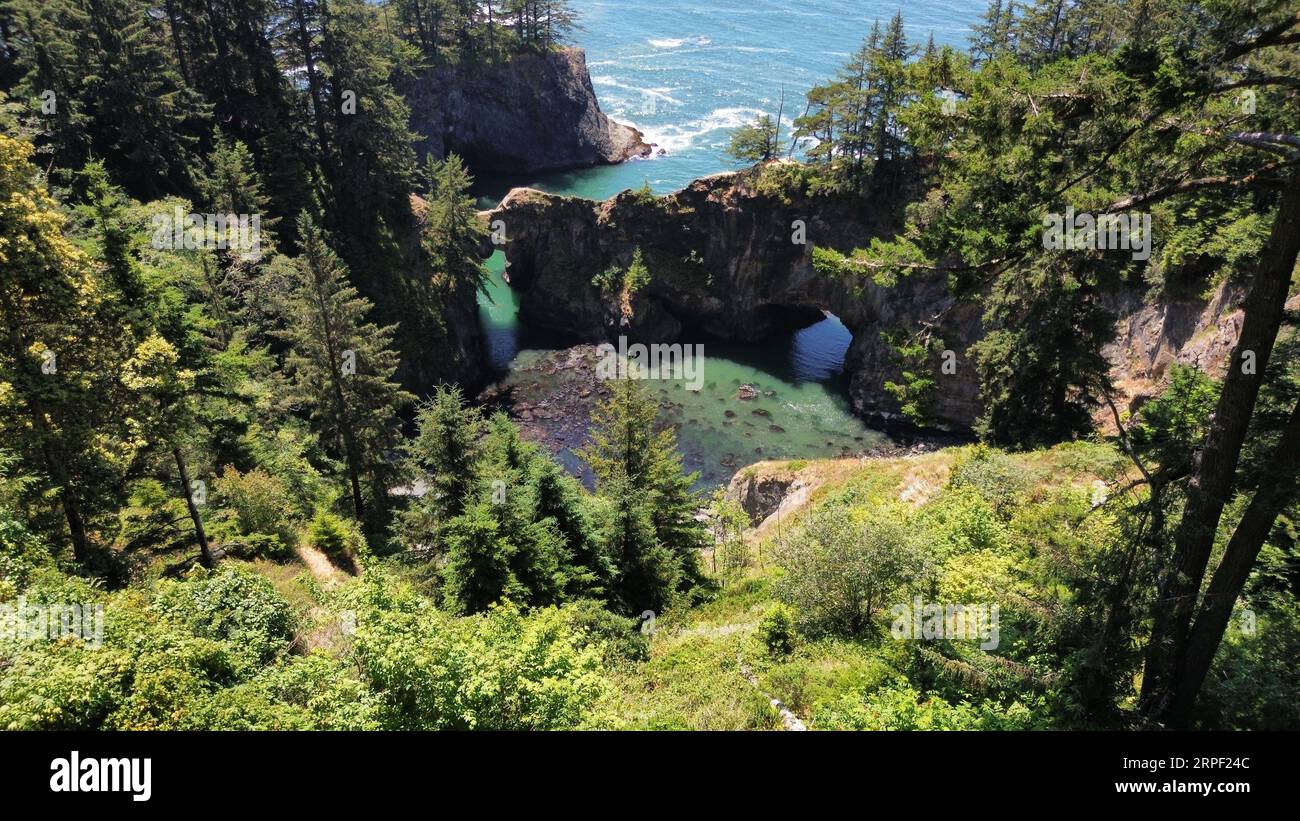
[[678, 42], [605, 81], [681, 136]]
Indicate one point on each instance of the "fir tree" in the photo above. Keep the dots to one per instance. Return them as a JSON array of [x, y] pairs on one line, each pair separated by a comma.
[[654, 537], [340, 367]]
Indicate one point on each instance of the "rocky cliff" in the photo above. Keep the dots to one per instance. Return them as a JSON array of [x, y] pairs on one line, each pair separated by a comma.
[[533, 113], [725, 258]]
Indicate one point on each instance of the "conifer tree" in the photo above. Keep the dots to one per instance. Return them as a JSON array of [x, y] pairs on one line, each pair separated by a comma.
[[654, 538], [452, 234], [755, 142], [340, 366], [443, 456]]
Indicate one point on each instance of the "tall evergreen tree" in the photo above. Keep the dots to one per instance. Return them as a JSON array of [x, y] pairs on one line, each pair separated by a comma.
[[654, 538], [340, 367], [452, 234]]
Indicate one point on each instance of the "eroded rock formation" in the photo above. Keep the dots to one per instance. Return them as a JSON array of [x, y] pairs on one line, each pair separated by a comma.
[[723, 259]]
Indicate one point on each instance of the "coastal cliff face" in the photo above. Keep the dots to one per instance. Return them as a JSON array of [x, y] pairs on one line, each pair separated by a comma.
[[723, 258], [533, 113]]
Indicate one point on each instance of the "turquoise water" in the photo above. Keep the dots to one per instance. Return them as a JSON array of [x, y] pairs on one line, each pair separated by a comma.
[[686, 72]]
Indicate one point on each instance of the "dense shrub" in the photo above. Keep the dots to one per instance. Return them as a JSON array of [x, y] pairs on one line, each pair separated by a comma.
[[500, 669], [261, 506], [845, 565], [338, 538], [621, 637], [233, 604], [312, 692], [777, 630], [1254, 680], [900, 707], [21, 555], [997, 477]]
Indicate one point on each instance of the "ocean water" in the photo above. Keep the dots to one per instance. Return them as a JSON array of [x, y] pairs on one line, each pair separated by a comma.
[[687, 72]]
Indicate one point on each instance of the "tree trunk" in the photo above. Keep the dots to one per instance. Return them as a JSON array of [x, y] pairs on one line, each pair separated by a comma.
[[313, 80], [1276, 491], [173, 23], [67, 496], [205, 557], [1216, 462]]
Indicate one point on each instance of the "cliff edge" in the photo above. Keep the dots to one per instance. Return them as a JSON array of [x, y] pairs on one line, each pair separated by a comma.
[[529, 114]]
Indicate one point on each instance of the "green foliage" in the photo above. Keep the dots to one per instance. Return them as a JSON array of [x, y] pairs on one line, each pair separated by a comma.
[[652, 533], [843, 567], [622, 285], [756, 142], [443, 453], [453, 234], [261, 505], [903, 708], [1253, 682], [920, 360], [728, 522], [341, 367], [500, 516], [230, 604], [1167, 428], [338, 538], [623, 641], [855, 119], [22, 553], [777, 630], [500, 670], [312, 692], [999, 479], [67, 687]]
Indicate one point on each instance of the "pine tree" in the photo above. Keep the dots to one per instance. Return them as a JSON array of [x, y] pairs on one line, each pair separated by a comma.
[[891, 82], [443, 456], [654, 537], [559, 498], [144, 120], [755, 142], [994, 35], [340, 366], [46, 51], [541, 560], [453, 234]]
